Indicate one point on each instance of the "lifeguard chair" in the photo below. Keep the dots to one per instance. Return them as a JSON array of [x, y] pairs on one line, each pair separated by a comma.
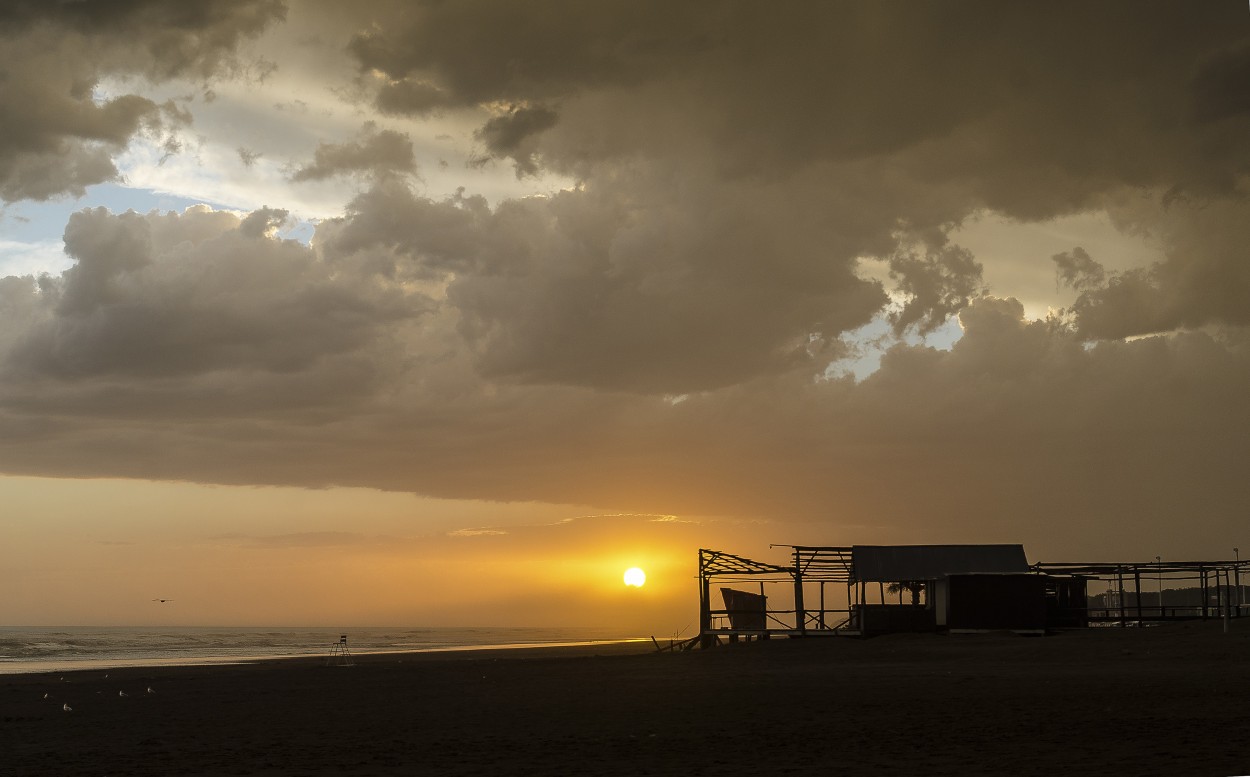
[[340, 654]]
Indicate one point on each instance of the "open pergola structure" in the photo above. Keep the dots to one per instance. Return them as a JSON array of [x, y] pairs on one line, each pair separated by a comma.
[[811, 569], [1160, 590]]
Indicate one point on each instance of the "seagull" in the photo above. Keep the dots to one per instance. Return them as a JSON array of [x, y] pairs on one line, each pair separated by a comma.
[[121, 693], [46, 696], [150, 689], [67, 708]]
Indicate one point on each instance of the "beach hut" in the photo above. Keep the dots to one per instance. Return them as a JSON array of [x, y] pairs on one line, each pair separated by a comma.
[[968, 588]]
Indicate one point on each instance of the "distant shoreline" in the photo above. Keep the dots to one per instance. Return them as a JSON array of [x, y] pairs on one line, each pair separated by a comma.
[[20, 668]]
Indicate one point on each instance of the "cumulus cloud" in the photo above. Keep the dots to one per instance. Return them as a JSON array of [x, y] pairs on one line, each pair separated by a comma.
[[57, 135], [168, 302], [695, 289]]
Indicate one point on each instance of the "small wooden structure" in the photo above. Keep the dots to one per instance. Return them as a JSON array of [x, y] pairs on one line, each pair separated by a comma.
[[747, 612], [340, 654]]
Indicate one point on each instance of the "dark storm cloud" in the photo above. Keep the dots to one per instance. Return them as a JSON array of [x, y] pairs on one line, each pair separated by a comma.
[[1018, 432], [1203, 280], [378, 152], [511, 135], [1027, 89], [1221, 87], [938, 285], [1077, 269], [934, 112], [56, 136], [621, 288]]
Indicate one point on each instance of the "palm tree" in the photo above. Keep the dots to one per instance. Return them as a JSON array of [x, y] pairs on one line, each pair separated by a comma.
[[915, 586]]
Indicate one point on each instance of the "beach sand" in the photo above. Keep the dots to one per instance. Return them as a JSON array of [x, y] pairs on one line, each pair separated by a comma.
[[1170, 700]]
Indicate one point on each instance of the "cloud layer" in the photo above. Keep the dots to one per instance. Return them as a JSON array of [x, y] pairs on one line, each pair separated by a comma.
[[665, 335]]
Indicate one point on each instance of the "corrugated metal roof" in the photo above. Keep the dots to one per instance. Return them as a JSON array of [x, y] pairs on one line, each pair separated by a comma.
[[892, 563]]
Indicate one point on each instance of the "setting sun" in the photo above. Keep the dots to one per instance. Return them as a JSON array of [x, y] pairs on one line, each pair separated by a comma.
[[635, 577]]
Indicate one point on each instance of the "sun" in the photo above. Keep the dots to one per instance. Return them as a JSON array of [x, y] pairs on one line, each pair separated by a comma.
[[635, 577]]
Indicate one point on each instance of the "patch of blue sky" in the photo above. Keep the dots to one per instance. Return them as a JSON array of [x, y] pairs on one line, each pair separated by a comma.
[[870, 342], [31, 232], [35, 258], [33, 222]]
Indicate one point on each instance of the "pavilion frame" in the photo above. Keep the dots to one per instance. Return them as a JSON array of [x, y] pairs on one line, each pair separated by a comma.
[[1126, 600], [817, 566]]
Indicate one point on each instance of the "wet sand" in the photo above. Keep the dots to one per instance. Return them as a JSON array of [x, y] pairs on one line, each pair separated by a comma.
[[1172, 700]]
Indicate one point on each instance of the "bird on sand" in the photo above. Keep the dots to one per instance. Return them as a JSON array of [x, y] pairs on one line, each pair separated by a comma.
[[162, 601]]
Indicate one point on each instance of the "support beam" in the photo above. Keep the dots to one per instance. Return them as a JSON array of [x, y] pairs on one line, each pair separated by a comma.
[[800, 614]]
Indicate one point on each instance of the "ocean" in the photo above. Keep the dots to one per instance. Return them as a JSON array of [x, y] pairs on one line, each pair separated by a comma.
[[63, 649]]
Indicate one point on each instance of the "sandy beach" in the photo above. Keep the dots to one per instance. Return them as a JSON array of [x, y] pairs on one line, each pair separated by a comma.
[[1171, 700]]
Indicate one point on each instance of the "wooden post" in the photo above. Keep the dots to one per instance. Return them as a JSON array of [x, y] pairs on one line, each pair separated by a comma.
[[1137, 587], [800, 614], [764, 600], [1119, 588], [705, 610], [1202, 574], [822, 605]]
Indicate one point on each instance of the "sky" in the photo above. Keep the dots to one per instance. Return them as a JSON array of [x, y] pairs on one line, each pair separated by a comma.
[[446, 313]]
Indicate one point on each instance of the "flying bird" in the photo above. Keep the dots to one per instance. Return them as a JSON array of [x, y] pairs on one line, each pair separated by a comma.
[[67, 708], [121, 693], [150, 689]]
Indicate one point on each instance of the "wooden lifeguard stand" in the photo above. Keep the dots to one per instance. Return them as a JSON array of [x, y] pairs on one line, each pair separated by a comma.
[[340, 654]]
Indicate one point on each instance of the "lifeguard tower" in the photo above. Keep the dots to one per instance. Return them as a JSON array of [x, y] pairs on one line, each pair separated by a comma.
[[340, 654]]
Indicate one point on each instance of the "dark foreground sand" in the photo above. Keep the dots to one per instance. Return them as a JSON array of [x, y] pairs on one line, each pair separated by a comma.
[[1172, 700]]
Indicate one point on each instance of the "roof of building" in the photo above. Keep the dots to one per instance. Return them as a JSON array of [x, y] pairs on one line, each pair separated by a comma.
[[894, 563]]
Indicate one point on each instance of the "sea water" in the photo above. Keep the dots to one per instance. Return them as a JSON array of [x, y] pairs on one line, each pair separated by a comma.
[[64, 649]]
